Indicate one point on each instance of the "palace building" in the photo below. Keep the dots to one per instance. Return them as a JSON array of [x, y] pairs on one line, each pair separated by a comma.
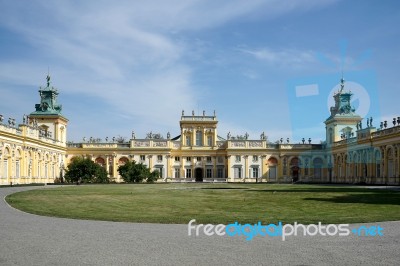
[[37, 151]]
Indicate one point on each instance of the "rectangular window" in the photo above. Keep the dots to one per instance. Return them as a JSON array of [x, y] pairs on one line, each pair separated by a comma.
[[199, 138], [209, 159], [255, 172], [188, 159], [159, 158], [209, 140], [255, 158], [220, 172], [17, 169], [142, 158], [238, 158], [160, 171], [177, 159], [209, 173], [188, 173], [238, 172], [188, 140], [177, 173], [5, 168], [378, 170], [198, 159]]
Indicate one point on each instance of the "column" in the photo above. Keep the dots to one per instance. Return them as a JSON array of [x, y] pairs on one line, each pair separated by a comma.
[[228, 169], [168, 168], [215, 167], [246, 166], [115, 168]]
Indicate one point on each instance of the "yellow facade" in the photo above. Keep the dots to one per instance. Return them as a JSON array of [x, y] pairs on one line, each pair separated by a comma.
[[36, 151]]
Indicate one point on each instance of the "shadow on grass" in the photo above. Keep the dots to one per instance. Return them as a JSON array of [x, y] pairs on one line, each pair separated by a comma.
[[325, 189], [227, 188], [372, 198]]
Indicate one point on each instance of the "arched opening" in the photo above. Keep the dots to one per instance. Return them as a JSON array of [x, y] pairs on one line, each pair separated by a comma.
[[295, 169], [272, 164], [100, 161], [123, 161]]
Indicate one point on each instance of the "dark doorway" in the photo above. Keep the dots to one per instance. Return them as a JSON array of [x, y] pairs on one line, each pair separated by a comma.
[[198, 174], [295, 174]]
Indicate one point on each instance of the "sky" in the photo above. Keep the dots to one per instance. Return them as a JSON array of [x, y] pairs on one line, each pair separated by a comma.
[[135, 65]]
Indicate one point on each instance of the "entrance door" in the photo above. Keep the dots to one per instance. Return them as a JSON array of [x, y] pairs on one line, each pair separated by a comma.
[[199, 174], [295, 174]]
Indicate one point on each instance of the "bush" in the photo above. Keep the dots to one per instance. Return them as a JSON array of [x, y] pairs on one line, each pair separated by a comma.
[[132, 172], [86, 171]]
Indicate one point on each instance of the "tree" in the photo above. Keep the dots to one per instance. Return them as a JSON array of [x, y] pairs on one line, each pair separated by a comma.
[[132, 172], [86, 171]]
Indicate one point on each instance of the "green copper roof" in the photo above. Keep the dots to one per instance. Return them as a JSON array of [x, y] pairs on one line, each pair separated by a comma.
[[48, 101]]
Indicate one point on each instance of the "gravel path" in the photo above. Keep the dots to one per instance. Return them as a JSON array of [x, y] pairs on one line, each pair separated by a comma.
[[27, 239]]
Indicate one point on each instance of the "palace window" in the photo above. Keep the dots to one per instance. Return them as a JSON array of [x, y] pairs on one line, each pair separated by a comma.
[[188, 159], [159, 169], [220, 172], [209, 159], [188, 140], [17, 171], [142, 158], [5, 168], [237, 158], [199, 138], [238, 172], [177, 173], [198, 159], [177, 159], [208, 173], [255, 158], [209, 140], [159, 158], [188, 173], [255, 172]]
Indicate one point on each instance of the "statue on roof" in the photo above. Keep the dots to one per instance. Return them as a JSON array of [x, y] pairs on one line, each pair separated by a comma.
[[48, 80]]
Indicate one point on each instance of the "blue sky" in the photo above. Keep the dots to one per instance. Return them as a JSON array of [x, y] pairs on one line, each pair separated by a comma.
[[135, 65]]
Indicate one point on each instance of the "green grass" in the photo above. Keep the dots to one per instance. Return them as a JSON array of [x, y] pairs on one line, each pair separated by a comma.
[[212, 203]]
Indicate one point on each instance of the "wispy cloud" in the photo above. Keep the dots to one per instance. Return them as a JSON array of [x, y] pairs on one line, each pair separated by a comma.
[[283, 57]]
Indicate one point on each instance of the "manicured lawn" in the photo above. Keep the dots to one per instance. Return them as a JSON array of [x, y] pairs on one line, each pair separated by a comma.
[[212, 203]]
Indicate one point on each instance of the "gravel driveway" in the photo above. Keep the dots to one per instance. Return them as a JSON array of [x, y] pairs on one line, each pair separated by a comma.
[[27, 239]]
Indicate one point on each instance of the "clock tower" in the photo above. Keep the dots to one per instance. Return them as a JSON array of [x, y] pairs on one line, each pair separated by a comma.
[[342, 123], [48, 117]]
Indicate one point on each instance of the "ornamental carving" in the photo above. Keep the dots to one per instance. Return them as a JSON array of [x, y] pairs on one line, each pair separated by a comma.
[[238, 144], [142, 144], [255, 144]]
